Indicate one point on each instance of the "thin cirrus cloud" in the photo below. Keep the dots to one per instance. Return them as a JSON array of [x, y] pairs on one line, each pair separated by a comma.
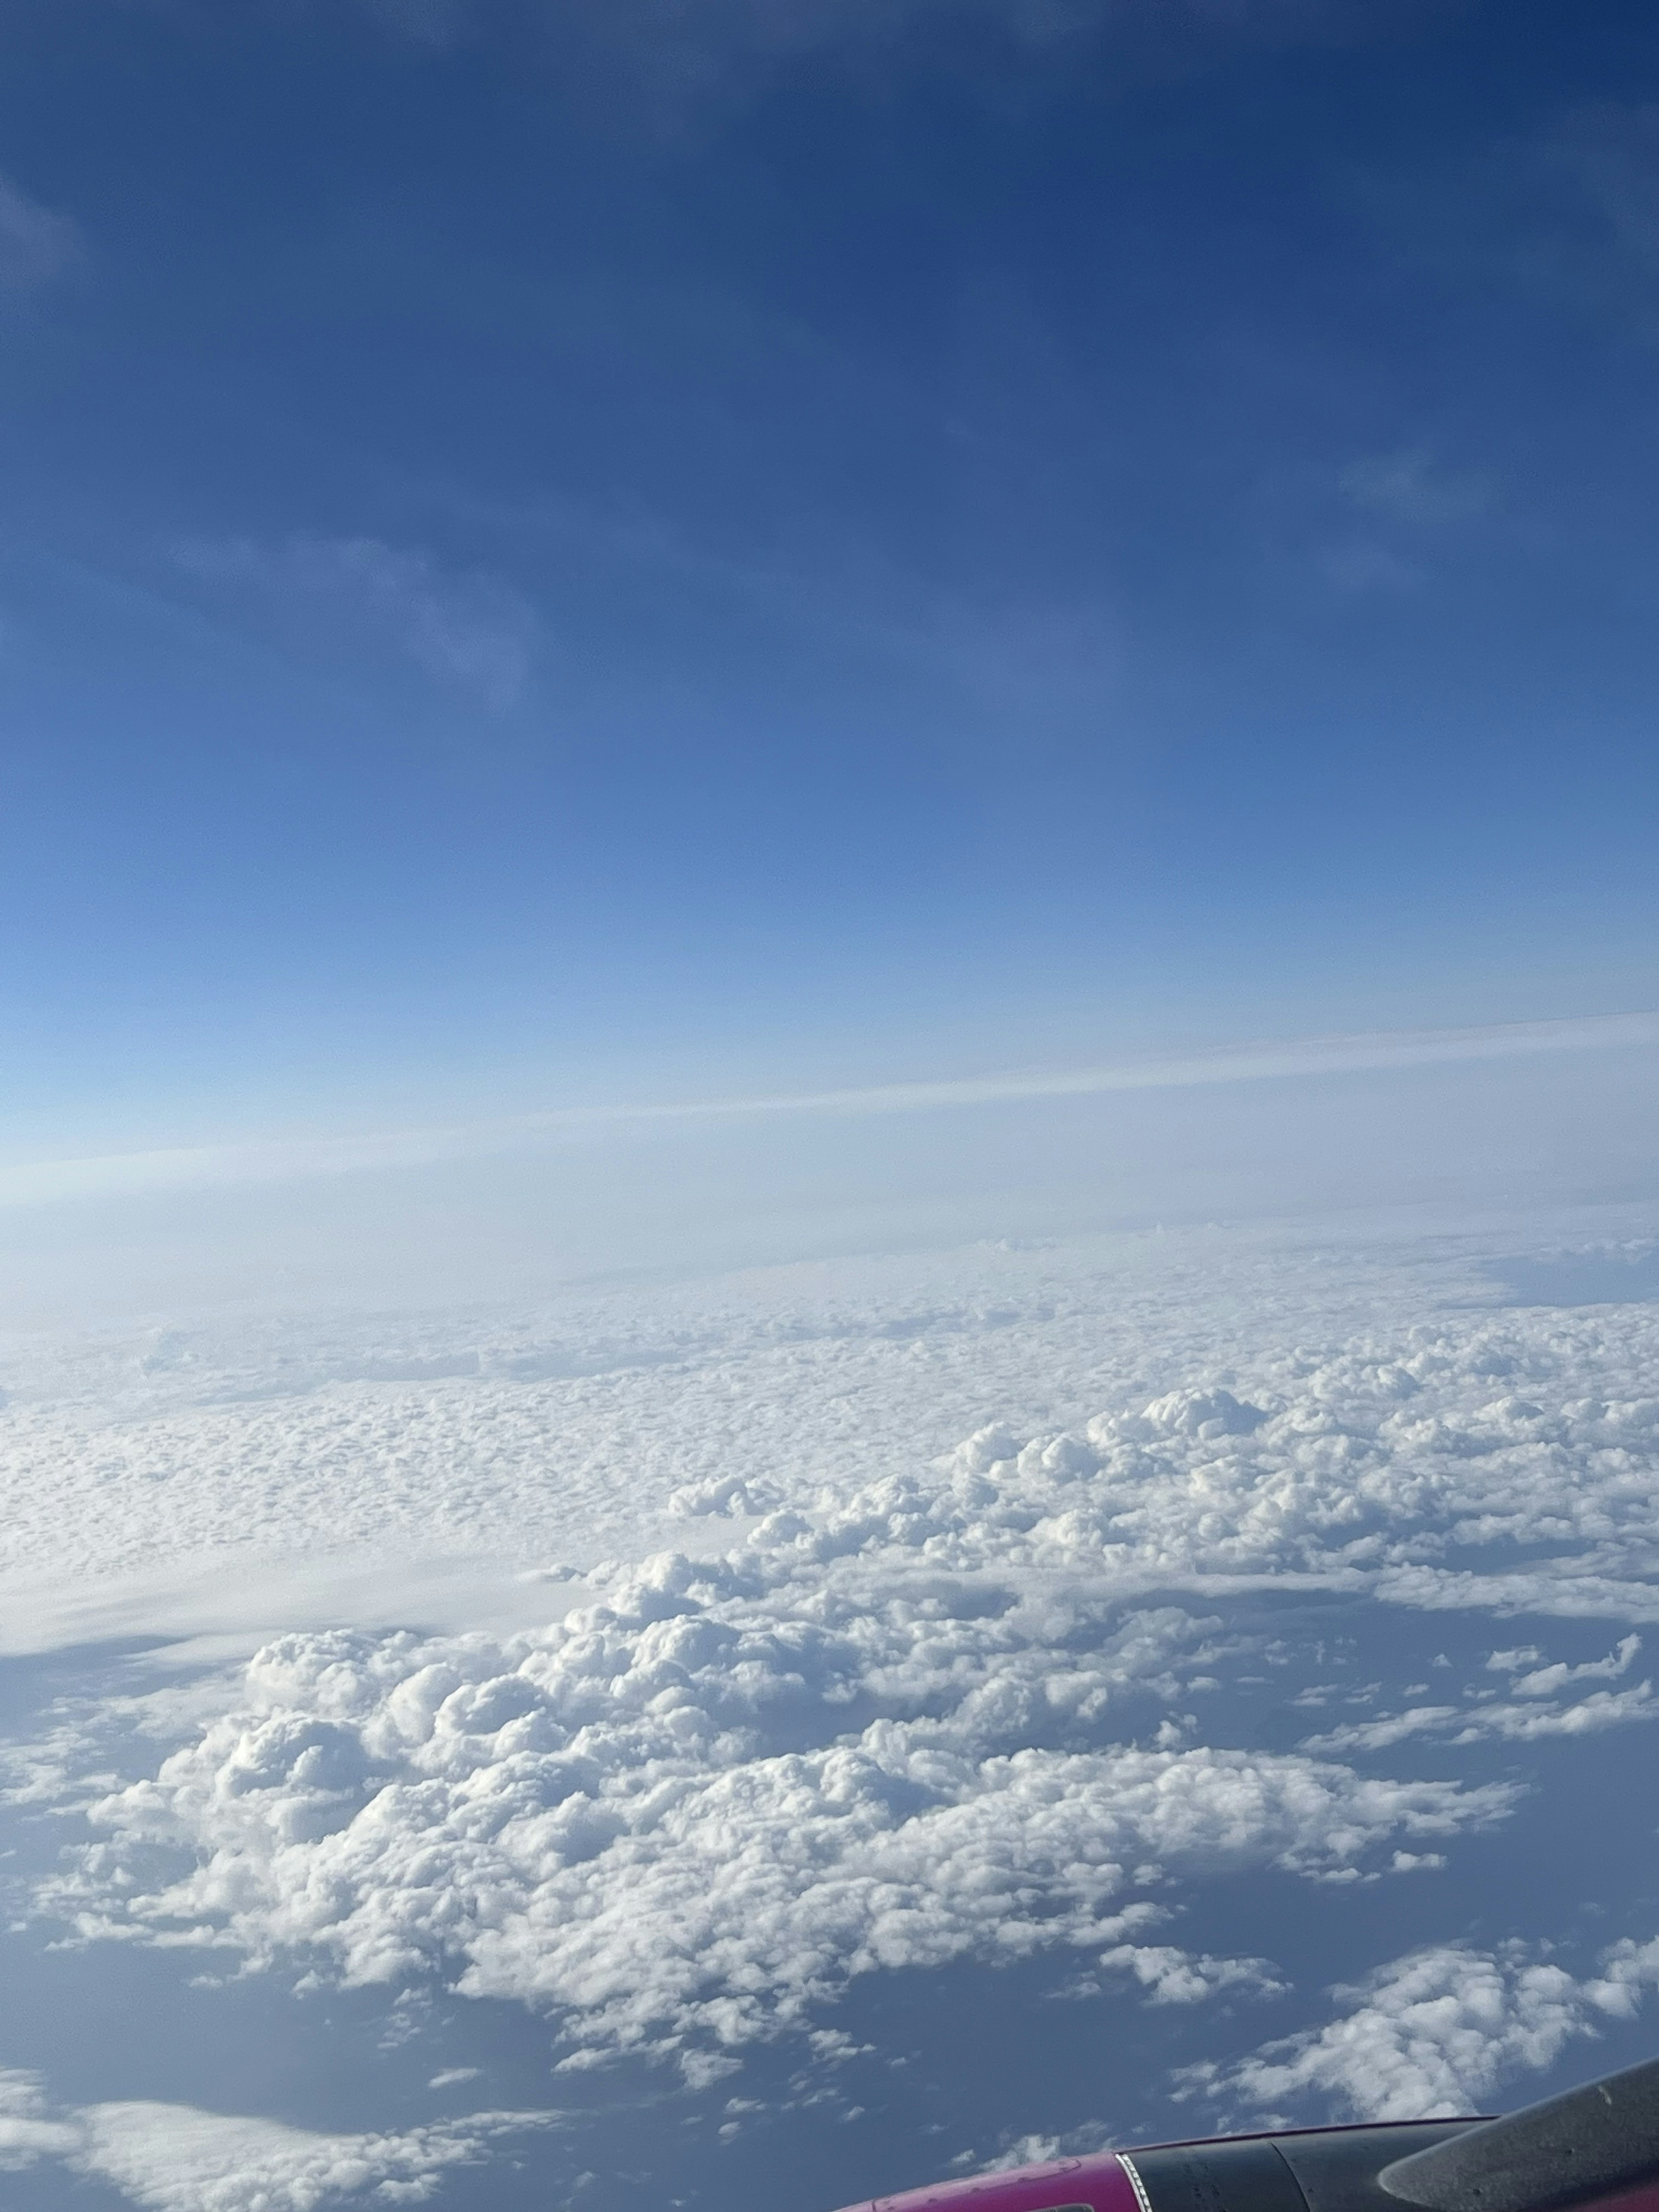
[[268, 1160], [1567, 215], [1406, 492], [462, 628], [36, 243], [1408, 486], [1608, 156], [1173, 36]]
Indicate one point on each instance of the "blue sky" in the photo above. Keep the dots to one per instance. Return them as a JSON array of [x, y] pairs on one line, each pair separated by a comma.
[[554, 550]]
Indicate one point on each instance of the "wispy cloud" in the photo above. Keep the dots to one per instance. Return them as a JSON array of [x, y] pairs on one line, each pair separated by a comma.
[[428, 23], [281, 1159], [462, 627], [1568, 215], [1609, 154], [36, 243], [1409, 486], [702, 45]]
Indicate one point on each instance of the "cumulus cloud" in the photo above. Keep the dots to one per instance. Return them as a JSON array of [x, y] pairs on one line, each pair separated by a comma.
[[921, 1712], [731, 1496], [1169, 1975], [654, 1819], [462, 627], [1434, 2033], [1503, 1462], [1376, 1462], [36, 243]]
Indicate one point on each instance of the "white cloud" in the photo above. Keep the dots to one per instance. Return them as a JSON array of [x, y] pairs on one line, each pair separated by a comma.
[[1171, 1975], [28, 2129], [1389, 1465], [1025, 2150], [1517, 1723], [928, 1711], [1543, 1682], [654, 1819], [170, 2158], [463, 627], [1435, 2031], [36, 244], [174, 2158], [1491, 1717]]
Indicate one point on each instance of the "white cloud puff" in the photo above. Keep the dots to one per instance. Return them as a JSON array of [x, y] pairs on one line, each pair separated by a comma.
[[924, 1710], [171, 2158], [1170, 1976], [174, 2158], [1508, 1719], [1433, 2033], [683, 1818], [28, 2129]]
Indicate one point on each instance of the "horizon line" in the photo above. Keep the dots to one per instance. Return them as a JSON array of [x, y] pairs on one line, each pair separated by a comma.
[[280, 1159]]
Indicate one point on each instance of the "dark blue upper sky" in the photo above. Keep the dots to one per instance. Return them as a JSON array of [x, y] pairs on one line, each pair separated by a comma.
[[552, 544]]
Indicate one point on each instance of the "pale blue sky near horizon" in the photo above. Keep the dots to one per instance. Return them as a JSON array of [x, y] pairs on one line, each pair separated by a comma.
[[552, 551]]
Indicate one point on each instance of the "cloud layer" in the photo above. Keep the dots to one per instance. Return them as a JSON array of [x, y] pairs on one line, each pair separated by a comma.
[[655, 1820], [917, 1712], [942, 1715]]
